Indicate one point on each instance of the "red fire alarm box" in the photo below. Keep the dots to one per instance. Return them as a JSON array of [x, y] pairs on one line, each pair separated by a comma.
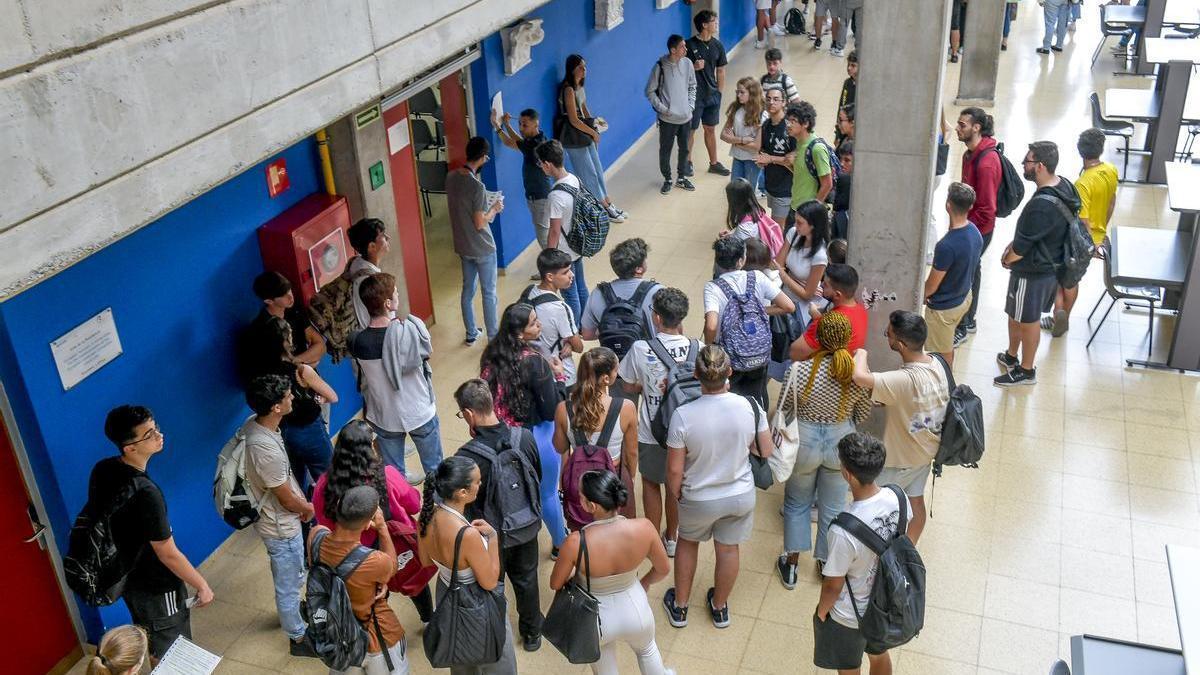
[[308, 243]]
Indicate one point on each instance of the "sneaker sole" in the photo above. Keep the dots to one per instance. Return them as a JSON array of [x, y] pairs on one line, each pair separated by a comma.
[[1022, 383]]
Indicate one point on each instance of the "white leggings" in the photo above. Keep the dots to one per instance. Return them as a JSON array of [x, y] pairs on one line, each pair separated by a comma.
[[625, 616]]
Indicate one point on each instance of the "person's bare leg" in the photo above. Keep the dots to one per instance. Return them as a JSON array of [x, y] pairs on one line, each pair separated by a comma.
[[761, 24], [1029, 335], [949, 356], [917, 524], [818, 24], [880, 664], [672, 518], [685, 570], [710, 143], [834, 26], [728, 561], [852, 671], [955, 39], [1014, 337], [652, 502], [1067, 296]]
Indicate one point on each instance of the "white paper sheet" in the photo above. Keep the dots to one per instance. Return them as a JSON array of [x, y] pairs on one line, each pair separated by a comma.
[[398, 135], [498, 104], [186, 658]]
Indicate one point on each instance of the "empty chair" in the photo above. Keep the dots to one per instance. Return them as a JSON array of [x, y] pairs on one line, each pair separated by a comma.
[[422, 139], [1107, 30], [1148, 294], [425, 102], [1060, 667], [431, 176], [1122, 130]]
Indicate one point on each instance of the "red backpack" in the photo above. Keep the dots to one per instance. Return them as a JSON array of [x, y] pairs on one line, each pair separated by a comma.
[[582, 458]]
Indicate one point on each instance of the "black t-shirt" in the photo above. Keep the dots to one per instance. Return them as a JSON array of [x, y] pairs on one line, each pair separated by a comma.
[[537, 183], [776, 142], [142, 520], [305, 407], [841, 195], [492, 437], [1041, 230], [258, 345], [713, 53], [367, 344]]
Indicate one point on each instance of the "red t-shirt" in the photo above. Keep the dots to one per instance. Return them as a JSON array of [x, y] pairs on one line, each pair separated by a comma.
[[858, 327]]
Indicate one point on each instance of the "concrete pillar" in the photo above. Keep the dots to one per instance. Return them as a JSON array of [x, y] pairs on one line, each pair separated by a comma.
[[354, 151], [981, 57], [894, 153]]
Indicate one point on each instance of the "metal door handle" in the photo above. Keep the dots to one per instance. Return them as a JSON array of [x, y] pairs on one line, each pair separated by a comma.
[[37, 533]]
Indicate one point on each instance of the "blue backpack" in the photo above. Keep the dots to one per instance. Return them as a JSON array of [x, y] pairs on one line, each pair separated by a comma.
[[745, 331]]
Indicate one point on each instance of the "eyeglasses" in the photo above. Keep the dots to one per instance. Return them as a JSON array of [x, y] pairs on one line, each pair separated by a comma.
[[459, 415], [1029, 161], [152, 435]]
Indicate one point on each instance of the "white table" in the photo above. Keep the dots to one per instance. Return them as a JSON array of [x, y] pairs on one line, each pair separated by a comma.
[[1184, 564]]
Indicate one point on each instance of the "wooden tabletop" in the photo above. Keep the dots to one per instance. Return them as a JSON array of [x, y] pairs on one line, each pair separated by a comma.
[[1183, 187], [1184, 564], [1144, 256], [1165, 50]]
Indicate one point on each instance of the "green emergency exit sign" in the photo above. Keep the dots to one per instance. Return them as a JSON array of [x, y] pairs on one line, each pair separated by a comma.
[[376, 173]]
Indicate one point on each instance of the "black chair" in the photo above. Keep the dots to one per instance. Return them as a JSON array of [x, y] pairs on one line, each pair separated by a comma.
[[425, 102], [1150, 295], [422, 139], [1186, 154], [431, 176], [1122, 130], [1107, 30], [1060, 667]]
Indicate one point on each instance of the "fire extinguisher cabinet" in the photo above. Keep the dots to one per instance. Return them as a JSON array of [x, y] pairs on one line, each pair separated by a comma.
[[308, 243]]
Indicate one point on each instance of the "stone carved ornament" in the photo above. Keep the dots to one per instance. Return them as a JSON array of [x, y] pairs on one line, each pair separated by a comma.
[[609, 14], [518, 41]]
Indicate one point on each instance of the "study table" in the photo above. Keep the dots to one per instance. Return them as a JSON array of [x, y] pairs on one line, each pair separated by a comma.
[[1143, 256], [1183, 193]]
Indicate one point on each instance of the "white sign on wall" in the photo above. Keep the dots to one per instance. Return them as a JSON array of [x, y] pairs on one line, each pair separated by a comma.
[[86, 348]]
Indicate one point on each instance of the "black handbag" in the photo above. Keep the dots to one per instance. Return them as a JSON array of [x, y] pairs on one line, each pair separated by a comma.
[[468, 627], [564, 131], [764, 478], [573, 623]]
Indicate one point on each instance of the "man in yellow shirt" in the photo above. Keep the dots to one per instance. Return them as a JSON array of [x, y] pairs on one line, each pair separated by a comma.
[[1097, 187]]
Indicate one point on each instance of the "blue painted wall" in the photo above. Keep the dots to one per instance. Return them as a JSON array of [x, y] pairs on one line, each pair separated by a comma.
[[179, 289], [619, 63]]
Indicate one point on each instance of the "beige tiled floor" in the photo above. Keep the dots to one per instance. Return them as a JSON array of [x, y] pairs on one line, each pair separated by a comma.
[[1061, 530]]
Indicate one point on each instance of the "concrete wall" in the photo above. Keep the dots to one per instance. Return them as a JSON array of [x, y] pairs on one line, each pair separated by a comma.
[[117, 111]]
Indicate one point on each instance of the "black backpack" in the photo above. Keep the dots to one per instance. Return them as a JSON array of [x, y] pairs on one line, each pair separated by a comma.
[[622, 323], [682, 387], [835, 167], [333, 631], [1011, 190], [962, 441], [895, 611], [514, 503], [1076, 255], [540, 299], [93, 566], [793, 21]]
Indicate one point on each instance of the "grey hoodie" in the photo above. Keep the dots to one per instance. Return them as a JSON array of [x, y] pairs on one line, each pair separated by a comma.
[[671, 89]]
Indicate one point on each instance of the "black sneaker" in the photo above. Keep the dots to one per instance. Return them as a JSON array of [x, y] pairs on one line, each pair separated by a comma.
[[1016, 376], [302, 648], [718, 168], [676, 615], [1008, 362], [817, 43], [1042, 50], [689, 170], [787, 572], [471, 340], [554, 553], [960, 337], [685, 184], [531, 643], [720, 617], [970, 327], [666, 187], [1056, 48]]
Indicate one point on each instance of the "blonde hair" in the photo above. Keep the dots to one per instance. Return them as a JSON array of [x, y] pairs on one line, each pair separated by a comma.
[[833, 335], [120, 650], [713, 366], [753, 106], [587, 398]]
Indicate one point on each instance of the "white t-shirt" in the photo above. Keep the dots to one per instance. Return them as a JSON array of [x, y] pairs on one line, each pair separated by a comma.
[[850, 558], [562, 205], [715, 300], [558, 324], [747, 229], [642, 366], [799, 265], [717, 430]]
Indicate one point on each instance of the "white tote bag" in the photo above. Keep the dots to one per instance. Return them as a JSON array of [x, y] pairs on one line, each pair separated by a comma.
[[785, 432]]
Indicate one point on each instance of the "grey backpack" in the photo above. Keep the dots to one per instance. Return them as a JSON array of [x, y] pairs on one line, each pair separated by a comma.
[[682, 387]]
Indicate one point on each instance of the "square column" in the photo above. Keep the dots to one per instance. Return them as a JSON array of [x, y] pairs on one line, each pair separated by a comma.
[[981, 58]]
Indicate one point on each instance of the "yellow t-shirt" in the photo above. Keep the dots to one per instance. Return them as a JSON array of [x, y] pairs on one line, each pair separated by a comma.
[[1097, 189]]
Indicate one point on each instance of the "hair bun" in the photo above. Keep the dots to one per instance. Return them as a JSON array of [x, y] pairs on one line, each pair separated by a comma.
[[619, 493]]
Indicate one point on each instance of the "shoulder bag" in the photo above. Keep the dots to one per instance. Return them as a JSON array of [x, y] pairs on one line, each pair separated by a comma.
[[469, 625], [572, 624]]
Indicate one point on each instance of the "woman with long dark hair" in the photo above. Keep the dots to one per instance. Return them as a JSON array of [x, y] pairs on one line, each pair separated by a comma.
[[356, 461], [803, 258], [526, 392], [616, 547], [590, 411], [576, 129], [744, 213], [456, 484]]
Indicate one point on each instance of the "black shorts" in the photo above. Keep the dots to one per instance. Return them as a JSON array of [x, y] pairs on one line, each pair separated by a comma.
[[836, 647], [1030, 297], [165, 616], [957, 15], [707, 112]]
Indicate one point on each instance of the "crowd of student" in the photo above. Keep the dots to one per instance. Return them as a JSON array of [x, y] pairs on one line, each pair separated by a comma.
[[682, 417]]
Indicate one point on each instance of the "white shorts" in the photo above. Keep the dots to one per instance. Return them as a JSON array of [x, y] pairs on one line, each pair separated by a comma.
[[763, 4]]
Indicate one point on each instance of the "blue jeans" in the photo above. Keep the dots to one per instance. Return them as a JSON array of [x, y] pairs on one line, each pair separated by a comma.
[[747, 169], [585, 164], [427, 438], [308, 450], [287, 570], [1056, 13], [552, 512], [1137, 29], [817, 473], [1008, 12], [483, 268], [576, 295], [1076, 11]]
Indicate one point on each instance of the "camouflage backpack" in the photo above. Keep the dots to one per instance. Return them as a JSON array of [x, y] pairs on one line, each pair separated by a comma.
[[331, 311]]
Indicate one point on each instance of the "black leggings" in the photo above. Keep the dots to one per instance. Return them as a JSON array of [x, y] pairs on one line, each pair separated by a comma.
[[423, 601]]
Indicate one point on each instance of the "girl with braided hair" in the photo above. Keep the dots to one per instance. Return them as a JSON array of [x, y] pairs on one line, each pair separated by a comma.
[[821, 393], [356, 461]]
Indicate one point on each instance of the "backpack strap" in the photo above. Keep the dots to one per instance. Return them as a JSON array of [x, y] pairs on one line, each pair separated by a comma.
[[514, 437], [481, 449], [610, 297], [751, 285], [1065, 212], [639, 295], [979, 155], [902, 502], [526, 293], [856, 528], [660, 351], [946, 367], [726, 289], [610, 422]]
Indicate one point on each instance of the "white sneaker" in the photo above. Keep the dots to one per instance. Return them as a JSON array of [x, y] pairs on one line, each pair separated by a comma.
[[669, 544], [760, 44], [778, 30], [836, 51]]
